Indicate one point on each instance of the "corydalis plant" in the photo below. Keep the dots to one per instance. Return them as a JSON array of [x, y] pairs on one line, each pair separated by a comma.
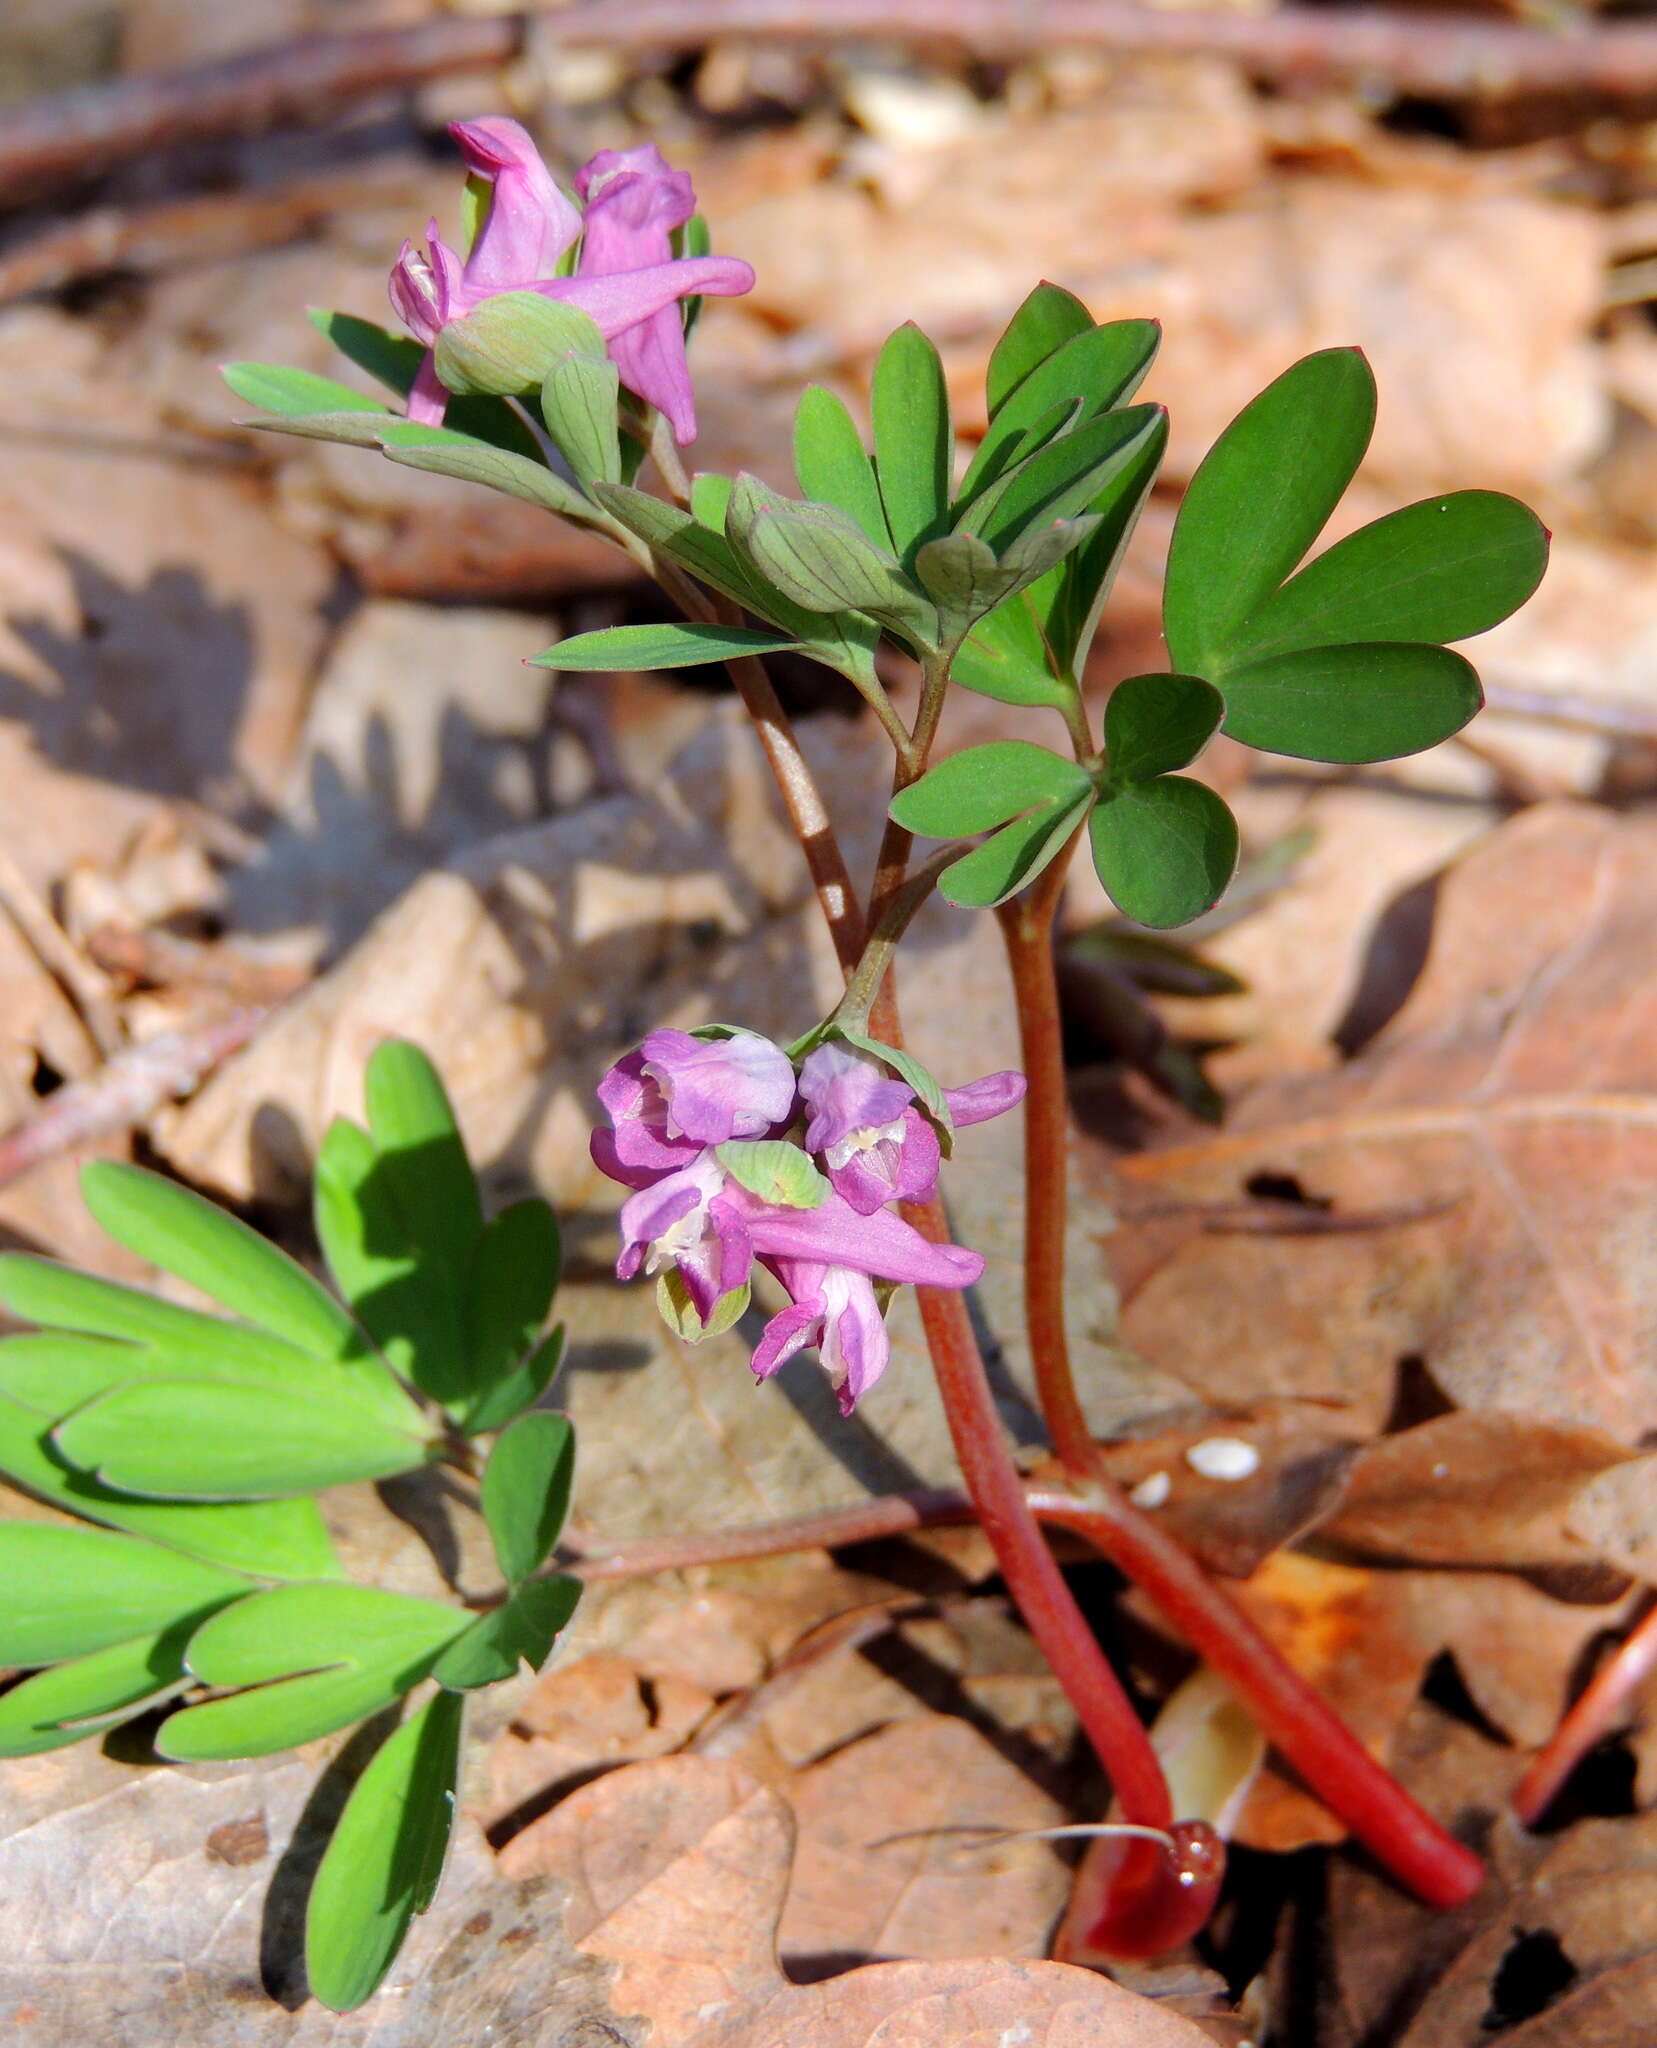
[[992, 575], [210, 1588]]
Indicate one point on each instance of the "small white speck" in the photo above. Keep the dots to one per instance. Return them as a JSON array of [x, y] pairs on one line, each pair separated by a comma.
[[1152, 1490], [1441, 1471], [1223, 1457]]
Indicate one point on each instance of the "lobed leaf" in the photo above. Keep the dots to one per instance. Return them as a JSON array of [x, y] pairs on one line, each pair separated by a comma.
[[984, 786], [1048, 318], [269, 1539], [519, 1632], [68, 1592], [673, 644], [91, 1694], [832, 466], [1088, 375], [1260, 497], [215, 1440], [1164, 849], [315, 1657], [275, 388], [1063, 478], [385, 1859], [1014, 857], [914, 444], [526, 1491], [1157, 723], [517, 1390], [513, 1278], [1370, 702]]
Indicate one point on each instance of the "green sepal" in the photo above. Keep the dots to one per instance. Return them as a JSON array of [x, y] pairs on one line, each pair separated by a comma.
[[579, 398], [510, 342], [678, 1311], [775, 1171]]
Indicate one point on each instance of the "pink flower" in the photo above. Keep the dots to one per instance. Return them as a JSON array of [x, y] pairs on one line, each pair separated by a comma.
[[876, 1147], [713, 1089], [837, 1310], [529, 225], [684, 1220], [634, 202]]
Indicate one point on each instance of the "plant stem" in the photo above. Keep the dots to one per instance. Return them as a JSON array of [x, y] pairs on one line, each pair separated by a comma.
[[1592, 1715], [882, 943], [1033, 1578], [1027, 929]]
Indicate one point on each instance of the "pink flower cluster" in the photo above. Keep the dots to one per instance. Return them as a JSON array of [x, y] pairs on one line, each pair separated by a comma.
[[680, 1099], [627, 279]]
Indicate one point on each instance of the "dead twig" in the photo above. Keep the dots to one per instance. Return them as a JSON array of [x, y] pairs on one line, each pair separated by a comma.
[[199, 230], [125, 1090], [86, 987], [77, 134], [1613, 717]]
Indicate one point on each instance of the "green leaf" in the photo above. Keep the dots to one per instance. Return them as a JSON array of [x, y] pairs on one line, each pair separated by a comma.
[[1261, 496], [1007, 656], [1444, 569], [1164, 849], [820, 559], [517, 1390], [678, 1311], [1048, 318], [271, 1539], [578, 404], [318, 1658], [273, 387], [1070, 606], [1014, 857], [1062, 479], [526, 1491], [194, 1239], [68, 1592], [90, 1694], [1371, 702], [984, 786], [695, 238], [443, 452], [670, 645], [833, 466], [214, 1440], [509, 343], [1157, 723], [520, 1632], [384, 1861], [842, 641], [1098, 367], [515, 1269], [914, 446], [181, 1341], [775, 1171], [394, 360]]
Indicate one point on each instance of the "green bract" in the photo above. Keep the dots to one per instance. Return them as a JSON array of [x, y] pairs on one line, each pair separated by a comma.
[[203, 1439]]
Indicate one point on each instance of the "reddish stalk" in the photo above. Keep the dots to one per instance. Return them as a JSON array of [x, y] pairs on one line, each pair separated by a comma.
[[1027, 929], [1591, 1717], [1033, 1578]]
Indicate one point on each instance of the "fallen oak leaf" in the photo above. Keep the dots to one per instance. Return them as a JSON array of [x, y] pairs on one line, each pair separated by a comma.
[[1521, 1075], [677, 1872]]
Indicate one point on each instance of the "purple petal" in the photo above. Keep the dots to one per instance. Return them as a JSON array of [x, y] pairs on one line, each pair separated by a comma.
[[900, 1169], [835, 1235], [855, 1348], [635, 200], [619, 302], [978, 1101], [529, 223], [720, 1259], [844, 1091], [428, 400], [413, 290], [796, 1326], [715, 1089], [652, 1213], [638, 1110], [650, 359], [601, 1148]]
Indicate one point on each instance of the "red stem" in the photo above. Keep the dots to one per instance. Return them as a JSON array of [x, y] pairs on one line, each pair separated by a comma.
[[1033, 1578], [1591, 1717], [1027, 930]]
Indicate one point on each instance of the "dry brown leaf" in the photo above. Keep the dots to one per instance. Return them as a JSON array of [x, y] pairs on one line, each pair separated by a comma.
[[1515, 1086], [1488, 1489], [677, 1872]]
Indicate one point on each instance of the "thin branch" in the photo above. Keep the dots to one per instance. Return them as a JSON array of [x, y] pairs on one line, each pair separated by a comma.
[[74, 135], [86, 986], [126, 1091]]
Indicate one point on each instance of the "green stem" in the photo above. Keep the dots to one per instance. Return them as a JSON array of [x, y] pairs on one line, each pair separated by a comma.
[[883, 939]]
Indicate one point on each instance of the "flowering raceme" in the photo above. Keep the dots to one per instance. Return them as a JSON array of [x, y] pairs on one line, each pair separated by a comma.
[[627, 281], [734, 1157]]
